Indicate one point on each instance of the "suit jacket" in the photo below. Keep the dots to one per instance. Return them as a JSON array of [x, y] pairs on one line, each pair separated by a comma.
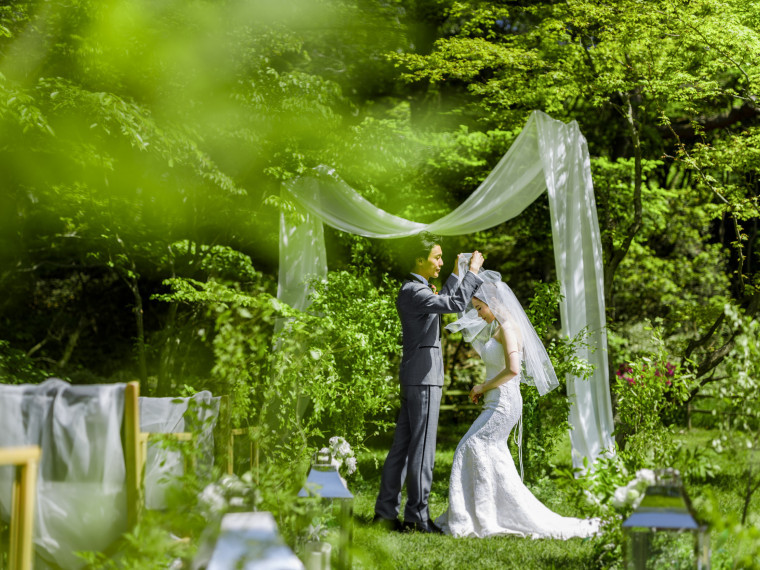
[[420, 312]]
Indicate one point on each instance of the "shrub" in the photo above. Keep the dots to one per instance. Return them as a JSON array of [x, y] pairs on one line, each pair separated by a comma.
[[545, 418], [645, 391]]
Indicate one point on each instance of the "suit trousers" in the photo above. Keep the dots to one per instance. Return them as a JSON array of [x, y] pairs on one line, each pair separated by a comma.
[[412, 455]]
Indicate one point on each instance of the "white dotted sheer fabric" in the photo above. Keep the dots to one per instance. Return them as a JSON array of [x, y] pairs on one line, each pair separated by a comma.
[[486, 494]]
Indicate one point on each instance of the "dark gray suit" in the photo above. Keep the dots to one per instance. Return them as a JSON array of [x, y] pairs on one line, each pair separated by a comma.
[[421, 377]]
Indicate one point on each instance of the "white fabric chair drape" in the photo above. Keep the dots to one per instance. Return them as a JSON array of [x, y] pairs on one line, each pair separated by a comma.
[[81, 492], [163, 465], [547, 155]]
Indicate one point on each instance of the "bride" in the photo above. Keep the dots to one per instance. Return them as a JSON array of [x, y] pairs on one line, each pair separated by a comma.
[[486, 494]]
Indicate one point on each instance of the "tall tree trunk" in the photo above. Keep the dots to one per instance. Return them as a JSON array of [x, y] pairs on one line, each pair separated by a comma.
[[126, 269], [618, 254], [163, 384], [72, 342], [142, 361]]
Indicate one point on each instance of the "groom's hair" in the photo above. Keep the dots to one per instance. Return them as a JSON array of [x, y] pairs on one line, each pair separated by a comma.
[[416, 246]]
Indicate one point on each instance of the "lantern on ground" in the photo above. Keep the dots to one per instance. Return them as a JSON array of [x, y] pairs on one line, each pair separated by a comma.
[[325, 482], [662, 531], [248, 541]]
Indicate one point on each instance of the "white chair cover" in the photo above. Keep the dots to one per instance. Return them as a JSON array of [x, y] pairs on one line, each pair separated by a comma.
[[547, 155], [170, 415], [81, 493]]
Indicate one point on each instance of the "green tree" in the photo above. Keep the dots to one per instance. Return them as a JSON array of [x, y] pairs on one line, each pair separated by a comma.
[[662, 93]]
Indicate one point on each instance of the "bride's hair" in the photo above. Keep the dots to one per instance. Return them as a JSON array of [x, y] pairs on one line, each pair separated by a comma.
[[499, 311]]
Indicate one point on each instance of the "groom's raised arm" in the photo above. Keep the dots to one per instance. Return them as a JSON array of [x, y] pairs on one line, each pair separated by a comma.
[[453, 298], [467, 262]]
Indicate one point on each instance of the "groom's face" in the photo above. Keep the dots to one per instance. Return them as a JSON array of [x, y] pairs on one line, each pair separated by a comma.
[[431, 266]]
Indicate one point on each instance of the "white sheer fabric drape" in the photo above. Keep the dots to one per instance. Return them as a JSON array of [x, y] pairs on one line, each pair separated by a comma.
[[81, 490], [548, 154]]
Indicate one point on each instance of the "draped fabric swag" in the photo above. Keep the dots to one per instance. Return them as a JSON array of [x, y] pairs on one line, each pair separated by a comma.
[[547, 155]]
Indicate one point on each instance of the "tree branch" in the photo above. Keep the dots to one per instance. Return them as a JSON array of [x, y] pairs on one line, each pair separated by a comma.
[[721, 121]]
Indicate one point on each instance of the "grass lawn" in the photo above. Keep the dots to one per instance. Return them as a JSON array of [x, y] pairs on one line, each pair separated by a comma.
[[377, 548]]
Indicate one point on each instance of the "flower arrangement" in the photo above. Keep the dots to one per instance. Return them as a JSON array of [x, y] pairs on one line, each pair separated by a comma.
[[648, 391], [631, 494], [229, 493], [342, 455]]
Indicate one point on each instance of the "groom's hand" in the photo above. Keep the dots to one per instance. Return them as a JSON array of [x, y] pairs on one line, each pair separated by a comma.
[[476, 261], [456, 264]]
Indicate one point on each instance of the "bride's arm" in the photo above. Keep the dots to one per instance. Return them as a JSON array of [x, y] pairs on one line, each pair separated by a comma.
[[508, 340]]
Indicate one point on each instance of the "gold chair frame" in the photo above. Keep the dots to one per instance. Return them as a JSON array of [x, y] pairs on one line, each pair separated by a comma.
[[26, 460]]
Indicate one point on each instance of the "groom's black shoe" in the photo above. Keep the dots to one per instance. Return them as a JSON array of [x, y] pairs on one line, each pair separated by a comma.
[[428, 527], [387, 524]]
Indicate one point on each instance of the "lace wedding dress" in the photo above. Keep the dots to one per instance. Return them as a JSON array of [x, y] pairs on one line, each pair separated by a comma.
[[486, 494]]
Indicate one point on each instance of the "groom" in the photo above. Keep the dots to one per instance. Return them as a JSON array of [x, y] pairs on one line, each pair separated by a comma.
[[412, 453]]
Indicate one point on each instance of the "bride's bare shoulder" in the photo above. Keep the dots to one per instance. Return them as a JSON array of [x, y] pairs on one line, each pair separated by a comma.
[[508, 334], [502, 333]]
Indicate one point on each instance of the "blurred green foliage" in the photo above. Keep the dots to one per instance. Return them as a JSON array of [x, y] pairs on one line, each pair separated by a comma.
[[143, 146]]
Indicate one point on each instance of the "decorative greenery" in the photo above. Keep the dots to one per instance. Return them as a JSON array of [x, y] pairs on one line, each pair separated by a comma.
[[17, 368], [343, 357], [739, 398]]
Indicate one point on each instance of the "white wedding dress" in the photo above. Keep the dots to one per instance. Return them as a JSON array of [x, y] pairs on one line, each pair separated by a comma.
[[486, 494]]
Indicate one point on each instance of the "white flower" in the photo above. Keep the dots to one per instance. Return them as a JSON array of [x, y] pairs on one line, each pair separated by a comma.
[[632, 495], [232, 485], [591, 499], [618, 498], [316, 532], [212, 498], [351, 465], [647, 476], [344, 450], [340, 447], [339, 451]]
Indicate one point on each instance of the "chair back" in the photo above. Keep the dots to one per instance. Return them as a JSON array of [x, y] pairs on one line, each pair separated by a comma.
[[25, 460], [89, 478], [192, 420]]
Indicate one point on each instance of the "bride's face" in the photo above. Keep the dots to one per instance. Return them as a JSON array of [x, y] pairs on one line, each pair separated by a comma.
[[483, 310]]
